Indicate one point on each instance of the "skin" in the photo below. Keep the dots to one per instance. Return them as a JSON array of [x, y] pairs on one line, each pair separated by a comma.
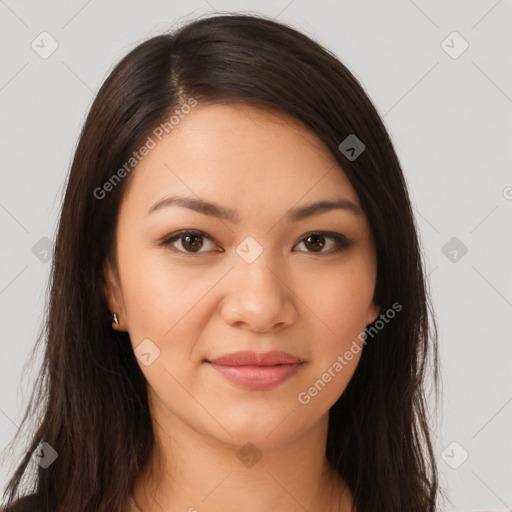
[[200, 305]]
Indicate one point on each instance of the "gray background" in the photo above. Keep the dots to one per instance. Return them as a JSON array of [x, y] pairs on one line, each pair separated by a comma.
[[450, 120]]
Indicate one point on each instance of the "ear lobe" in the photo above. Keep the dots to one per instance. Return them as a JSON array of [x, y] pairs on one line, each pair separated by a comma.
[[375, 314], [112, 294], [110, 287]]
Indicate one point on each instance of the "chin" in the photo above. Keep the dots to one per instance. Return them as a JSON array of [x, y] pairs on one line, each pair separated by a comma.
[[263, 428]]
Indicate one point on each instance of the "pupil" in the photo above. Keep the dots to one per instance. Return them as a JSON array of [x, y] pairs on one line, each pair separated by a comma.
[[316, 248], [189, 237]]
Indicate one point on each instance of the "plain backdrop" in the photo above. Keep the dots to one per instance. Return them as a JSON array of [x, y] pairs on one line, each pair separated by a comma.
[[439, 74]]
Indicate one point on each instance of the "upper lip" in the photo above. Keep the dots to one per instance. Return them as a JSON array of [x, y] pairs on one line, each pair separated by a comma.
[[251, 358]]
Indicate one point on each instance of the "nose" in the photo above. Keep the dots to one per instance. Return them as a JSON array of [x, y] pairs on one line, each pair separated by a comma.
[[259, 297]]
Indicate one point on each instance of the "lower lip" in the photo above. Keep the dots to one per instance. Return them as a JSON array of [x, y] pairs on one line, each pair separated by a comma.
[[258, 377]]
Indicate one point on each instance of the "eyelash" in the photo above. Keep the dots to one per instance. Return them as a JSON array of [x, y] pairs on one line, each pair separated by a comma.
[[343, 243]]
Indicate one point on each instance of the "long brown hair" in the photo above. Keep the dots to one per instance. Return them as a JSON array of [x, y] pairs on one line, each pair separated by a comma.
[[92, 396]]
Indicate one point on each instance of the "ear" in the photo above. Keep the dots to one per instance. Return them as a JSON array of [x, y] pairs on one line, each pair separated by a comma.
[[374, 313], [113, 295]]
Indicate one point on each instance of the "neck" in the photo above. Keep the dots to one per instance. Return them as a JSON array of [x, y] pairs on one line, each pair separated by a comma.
[[194, 472]]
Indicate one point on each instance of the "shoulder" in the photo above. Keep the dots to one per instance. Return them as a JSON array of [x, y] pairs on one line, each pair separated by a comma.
[[31, 503]]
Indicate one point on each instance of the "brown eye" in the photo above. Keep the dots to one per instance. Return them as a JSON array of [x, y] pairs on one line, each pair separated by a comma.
[[315, 242], [191, 242]]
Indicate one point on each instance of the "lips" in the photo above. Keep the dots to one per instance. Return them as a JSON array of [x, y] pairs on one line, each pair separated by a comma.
[[257, 371], [248, 358]]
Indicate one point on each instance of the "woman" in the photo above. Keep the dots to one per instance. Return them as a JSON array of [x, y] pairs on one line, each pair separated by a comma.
[[238, 315]]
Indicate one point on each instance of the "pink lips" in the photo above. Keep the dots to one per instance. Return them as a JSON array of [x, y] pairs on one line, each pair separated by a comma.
[[257, 371]]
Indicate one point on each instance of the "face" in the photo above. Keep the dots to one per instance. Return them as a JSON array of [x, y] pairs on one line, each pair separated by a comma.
[[257, 272]]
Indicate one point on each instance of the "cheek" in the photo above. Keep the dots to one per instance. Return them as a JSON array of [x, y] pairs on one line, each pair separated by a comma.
[[340, 299], [170, 307], [158, 295], [333, 366], [151, 298]]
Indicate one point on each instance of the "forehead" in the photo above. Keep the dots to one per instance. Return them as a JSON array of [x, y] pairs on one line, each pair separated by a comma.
[[239, 152]]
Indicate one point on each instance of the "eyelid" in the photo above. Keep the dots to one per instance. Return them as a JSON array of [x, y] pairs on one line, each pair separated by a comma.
[[169, 240], [343, 242]]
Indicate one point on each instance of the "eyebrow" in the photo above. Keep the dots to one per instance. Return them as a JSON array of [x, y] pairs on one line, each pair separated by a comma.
[[215, 210]]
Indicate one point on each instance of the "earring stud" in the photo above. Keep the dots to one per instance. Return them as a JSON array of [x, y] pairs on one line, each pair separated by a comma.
[[115, 319]]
